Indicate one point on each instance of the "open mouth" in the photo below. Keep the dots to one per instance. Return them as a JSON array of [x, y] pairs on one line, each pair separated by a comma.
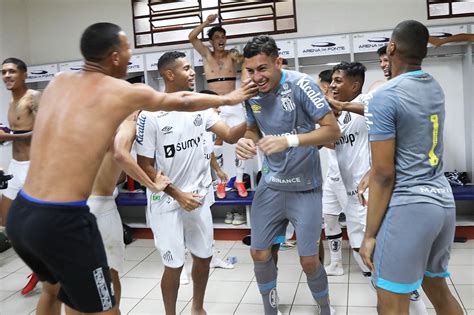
[[262, 84]]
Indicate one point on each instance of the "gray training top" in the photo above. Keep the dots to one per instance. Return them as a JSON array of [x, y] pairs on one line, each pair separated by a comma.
[[410, 109], [293, 108]]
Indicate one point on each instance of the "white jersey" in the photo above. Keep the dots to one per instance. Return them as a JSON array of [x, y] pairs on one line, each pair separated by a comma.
[[352, 149], [176, 141], [208, 145], [333, 173]]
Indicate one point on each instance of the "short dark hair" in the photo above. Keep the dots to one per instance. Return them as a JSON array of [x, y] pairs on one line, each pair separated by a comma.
[[411, 40], [325, 76], [382, 50], [354, 70], [98, 40], [215, 29], [168, 58], [210, 92], [261, 44], [284, 62], [20, 64]]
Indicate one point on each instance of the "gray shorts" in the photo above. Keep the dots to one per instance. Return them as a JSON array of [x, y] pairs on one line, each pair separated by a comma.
[[414, 241], [273, 209]]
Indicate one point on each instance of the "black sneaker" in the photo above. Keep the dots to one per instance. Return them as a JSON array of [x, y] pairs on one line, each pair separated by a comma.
[[4, 242]]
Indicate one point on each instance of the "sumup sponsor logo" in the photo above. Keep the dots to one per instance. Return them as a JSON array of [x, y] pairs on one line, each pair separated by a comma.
[[141, 129], [170, 150], [350, 138], [316, 97]]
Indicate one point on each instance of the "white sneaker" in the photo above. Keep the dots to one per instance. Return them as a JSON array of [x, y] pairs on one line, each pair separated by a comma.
[[216, 262], [229, 217], [331, 309], [334, 269], [239, 219], [183, 278], [417, 306]]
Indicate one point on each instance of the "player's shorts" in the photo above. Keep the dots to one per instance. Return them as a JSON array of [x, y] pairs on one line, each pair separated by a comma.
[[176, 229], [334, 196], [18, 169], [61, 243], [273, 209], [110, 226], [232, 115], [414, 241], [356, 216]]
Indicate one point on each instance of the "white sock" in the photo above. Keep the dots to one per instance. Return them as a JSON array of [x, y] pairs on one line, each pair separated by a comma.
[[239, 170], [290, 230], [334, 236]]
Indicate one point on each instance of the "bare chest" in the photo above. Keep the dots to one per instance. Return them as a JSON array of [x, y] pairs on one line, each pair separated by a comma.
[[219, 67], [20, 114]]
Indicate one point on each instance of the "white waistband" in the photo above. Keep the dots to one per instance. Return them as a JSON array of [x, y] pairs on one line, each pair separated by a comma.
[[13, 161]]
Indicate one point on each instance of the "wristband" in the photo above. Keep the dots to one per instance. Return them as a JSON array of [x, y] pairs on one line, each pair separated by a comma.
[[293, 140]]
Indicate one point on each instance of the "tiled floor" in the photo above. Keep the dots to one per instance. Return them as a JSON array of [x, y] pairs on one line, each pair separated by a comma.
[[235, 291]]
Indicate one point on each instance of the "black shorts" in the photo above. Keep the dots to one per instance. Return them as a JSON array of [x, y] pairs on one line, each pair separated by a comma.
[[62, 243]]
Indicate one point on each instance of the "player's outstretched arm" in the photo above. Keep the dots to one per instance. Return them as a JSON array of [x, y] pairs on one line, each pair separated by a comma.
[[228, 134], [5, 136], [354, 107], [463, 37], [144, 97]]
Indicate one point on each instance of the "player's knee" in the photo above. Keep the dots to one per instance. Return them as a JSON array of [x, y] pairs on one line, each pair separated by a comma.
[[260, 255], [310, 264], [51, 289]]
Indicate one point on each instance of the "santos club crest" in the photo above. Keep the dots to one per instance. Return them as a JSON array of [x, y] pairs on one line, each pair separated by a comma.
[[286, 101]]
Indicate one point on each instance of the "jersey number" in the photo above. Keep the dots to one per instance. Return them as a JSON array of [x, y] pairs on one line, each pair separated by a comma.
[[433, 158]]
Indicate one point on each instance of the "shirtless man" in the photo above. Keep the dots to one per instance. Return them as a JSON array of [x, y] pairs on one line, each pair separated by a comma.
[[49, 224], [220, 67], [21, 116], [102, 199]]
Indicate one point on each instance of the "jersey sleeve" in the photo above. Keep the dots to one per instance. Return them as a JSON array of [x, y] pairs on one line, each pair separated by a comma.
[[146, 135], [381, 116], [250, 117], [311, 98], [211, 118]]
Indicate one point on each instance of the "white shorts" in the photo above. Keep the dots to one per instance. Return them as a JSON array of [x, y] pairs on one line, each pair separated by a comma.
[[334, 196], [18, 169], [110, 226], [176, 229], [356, 215], [232, 115]]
